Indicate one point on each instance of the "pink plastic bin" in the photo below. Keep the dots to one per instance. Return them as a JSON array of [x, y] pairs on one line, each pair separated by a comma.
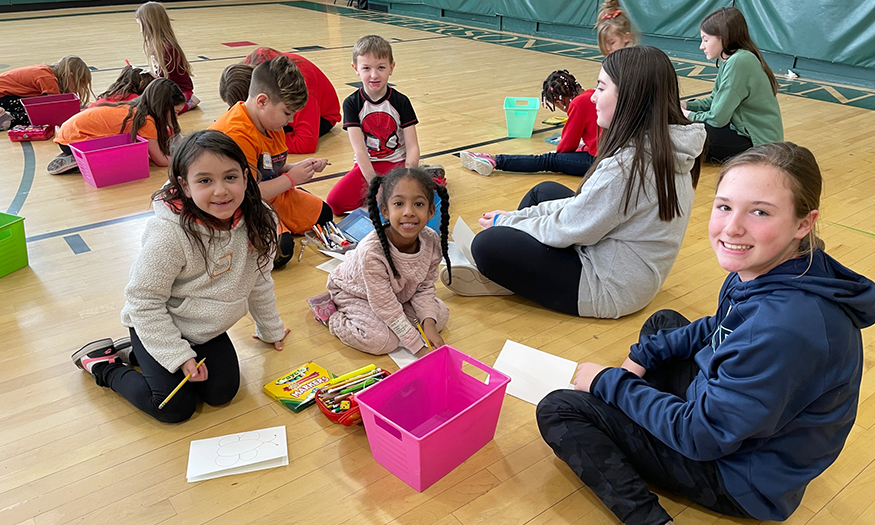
[[426, 419], [112, 160], [51, 109]]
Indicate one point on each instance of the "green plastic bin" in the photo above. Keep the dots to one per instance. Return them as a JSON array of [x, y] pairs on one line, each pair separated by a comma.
[[13, 250], [520, 113]]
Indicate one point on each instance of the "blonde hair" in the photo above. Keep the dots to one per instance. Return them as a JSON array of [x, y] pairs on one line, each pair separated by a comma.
[[73, 77], [612, 20], [372, 45], [803, 178], [156, 29]]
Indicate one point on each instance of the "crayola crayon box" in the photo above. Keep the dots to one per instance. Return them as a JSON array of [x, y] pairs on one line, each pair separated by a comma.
[[297, 389]]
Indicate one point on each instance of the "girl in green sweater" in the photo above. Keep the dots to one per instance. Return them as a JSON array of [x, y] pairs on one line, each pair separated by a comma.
[[742, 110]]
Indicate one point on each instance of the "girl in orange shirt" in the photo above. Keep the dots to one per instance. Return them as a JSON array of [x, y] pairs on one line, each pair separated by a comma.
[[152, 115], [69, 75]]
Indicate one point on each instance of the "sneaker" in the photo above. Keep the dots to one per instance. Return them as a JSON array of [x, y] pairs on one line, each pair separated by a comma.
[[95, 352], [61, 164], [468, 281], [482, 163], [323, 306], [5, 120], [437, 173], [193, 102], [285, 250], [125, 351]]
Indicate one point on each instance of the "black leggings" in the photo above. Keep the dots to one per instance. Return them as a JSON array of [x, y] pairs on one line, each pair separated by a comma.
[[616, 458], [148, 389], [519, 262], [12, 105], [725, 142]]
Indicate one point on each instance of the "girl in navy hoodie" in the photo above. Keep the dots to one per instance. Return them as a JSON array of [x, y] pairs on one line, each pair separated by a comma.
[[739, 411]]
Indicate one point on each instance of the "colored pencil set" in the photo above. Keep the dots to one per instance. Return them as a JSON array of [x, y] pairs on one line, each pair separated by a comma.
[[337, 395], [332, 237]]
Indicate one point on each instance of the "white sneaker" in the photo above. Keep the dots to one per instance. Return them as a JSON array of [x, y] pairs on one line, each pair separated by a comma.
[[475, 162], [193, 102], [61, 164], [468, 281]]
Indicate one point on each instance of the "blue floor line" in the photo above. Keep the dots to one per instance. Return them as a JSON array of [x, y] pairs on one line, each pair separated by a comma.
[[77, 243], [26, 179], [92, 226]]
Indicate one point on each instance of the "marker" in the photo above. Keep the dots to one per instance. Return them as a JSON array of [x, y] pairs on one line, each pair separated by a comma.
[[175, 390]]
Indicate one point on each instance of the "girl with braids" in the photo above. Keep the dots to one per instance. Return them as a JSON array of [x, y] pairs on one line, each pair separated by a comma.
[[743, 109], [561, 91], [738, 411], [69, 75], [206, 260], [152, 116], [129, 85], [386, 285], [605, 249]]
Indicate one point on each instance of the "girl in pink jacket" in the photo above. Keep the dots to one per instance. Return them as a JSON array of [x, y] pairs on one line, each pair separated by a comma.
[[386, 285]]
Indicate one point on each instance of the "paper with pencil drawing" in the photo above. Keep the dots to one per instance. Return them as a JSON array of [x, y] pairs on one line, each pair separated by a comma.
[[237, 453], [533, 373]]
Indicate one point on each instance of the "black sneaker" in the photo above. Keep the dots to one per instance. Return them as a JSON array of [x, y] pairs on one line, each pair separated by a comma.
[[101, 351], [285, 250], [125, 351]]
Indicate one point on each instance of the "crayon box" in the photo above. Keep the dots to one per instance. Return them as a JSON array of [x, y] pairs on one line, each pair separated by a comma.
[[296, 390]]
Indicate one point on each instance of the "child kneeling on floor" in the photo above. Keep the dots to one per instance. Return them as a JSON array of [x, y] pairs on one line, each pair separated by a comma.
[[206, 260], [385, 287]]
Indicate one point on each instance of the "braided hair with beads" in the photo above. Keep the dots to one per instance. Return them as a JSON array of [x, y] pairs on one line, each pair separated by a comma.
[[429, 187], [560, 84]]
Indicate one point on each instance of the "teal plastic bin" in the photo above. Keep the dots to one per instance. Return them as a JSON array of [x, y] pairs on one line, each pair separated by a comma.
[[520, 113], [13, 251]]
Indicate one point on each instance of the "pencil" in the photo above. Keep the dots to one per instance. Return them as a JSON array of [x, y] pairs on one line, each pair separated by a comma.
[[424, 338], [175, 390]]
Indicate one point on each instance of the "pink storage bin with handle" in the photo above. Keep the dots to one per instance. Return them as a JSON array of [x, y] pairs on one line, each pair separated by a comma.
[[426, 419], [52, 110], [112, 160]]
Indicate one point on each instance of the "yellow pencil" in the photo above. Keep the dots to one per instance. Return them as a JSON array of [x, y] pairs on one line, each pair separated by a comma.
[[424, 338], [175, 390], [360, 371]]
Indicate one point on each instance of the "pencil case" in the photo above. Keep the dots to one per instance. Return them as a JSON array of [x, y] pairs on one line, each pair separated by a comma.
[[349, 417], [317, 242], [31, 133]]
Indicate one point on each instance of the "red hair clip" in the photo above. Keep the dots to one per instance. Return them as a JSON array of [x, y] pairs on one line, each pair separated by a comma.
[[615, 14]]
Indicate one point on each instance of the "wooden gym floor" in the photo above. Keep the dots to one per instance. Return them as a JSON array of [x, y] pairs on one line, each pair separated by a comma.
[[71, 452]]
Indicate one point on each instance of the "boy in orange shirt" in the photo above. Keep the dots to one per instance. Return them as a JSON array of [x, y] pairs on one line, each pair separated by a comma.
[[276, 92]]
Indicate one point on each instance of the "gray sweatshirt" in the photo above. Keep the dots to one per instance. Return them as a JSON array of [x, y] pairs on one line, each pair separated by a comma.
[[625, 257], [173, 300]]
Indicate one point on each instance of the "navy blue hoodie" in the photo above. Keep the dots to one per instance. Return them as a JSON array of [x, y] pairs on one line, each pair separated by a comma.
[[779, 381]]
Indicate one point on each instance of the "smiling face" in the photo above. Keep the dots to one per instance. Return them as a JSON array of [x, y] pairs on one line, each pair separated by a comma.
[[408, 211], [711, 45], [216, 184], [753, 225], [605, 99], [375, 73]]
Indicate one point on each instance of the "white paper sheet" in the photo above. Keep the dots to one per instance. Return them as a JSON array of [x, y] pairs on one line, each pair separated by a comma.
[[463, 236], [329, 265], [237, 453], [402, 356], [534, 373], [456, 256], [335, 255]]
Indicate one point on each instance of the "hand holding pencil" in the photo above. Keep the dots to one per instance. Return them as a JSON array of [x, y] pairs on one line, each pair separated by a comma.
[[192, 370]]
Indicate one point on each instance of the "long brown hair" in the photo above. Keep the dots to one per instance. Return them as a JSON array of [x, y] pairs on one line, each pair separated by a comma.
[[648, 101], [157, 101], [156, 31], [803, 177], [728, 24], [131, 81], [257, 215], [73, 77]]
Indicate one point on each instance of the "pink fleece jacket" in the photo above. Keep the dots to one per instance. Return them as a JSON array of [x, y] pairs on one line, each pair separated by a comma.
[[366, 274]]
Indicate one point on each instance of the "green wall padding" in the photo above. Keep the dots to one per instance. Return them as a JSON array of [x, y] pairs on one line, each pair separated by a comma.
[[829, 30], [672, 18], [566, 12]]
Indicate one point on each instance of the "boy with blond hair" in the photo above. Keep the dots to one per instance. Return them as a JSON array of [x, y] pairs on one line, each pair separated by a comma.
[[381, 125], [276, 92]]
